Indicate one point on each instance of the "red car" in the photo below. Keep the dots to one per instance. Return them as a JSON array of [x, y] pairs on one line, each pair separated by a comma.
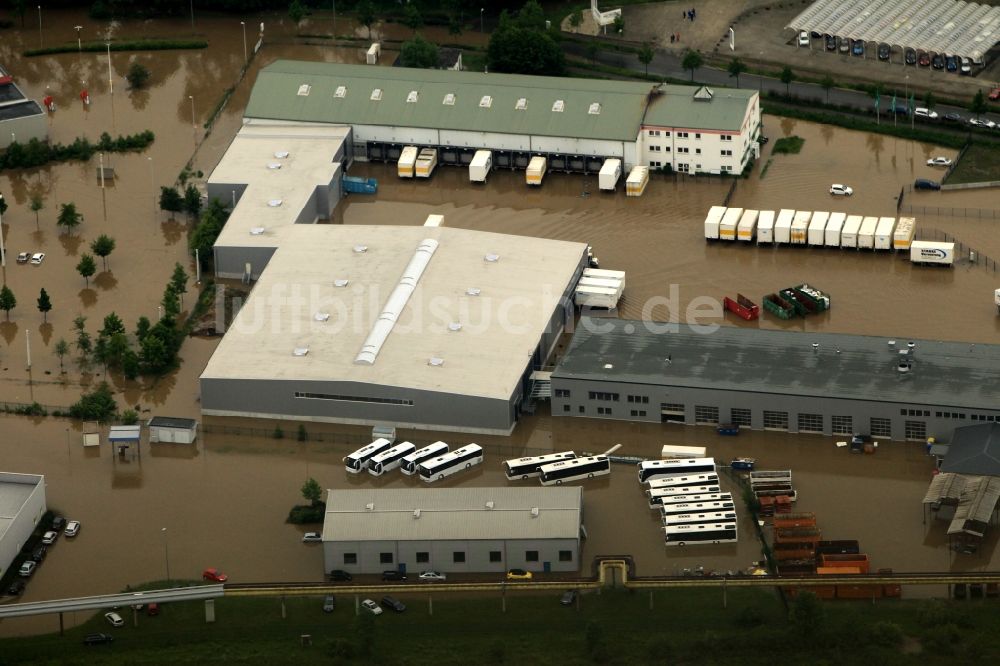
[[994, 94], [214, 575]]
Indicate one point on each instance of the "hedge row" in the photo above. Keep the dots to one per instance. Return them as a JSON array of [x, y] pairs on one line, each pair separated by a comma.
[[36, 153], [129, 45]]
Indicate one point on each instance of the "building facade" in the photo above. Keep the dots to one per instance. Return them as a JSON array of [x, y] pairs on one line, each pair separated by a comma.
[[22, 505], [21, 119]]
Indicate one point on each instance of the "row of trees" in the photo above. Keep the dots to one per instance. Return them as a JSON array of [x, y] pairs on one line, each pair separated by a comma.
[[172, 201], [36, 153]]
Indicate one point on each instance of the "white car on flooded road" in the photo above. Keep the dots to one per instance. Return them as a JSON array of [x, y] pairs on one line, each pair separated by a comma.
[[939, 161], [841, 190], [371, 607]]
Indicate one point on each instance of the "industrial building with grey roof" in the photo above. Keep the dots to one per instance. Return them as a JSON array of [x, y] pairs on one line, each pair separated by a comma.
[[825, 383], [21, 119], [453, 529]]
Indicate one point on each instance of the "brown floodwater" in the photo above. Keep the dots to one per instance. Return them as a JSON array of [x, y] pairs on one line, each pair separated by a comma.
[[224, 500]]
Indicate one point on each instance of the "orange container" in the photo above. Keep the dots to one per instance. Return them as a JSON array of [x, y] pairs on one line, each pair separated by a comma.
[[795, 520], [834, 560]]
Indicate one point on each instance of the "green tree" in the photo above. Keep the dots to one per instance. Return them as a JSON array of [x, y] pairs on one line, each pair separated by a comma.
[[213, 219], [412, 18], [366, 15], [84, 345], [60, 350], [69, 219], [112, 324], [19, 8], [312, 491], [646, 54], [593, 49], [115, 350], [86, 268], [171, 200], [807, 614], [130, 365], [153, 354], [827, 84], [137, 75], [576, 19], [142, 328], [454, 26], [523, 47], [179, 281], [7, 300], [192, 201], [692, 61], [930, 101], [98, 405], [419, 53], [531, 16], [37, 204], [597, 647], [619, 25], [735, 68], [978, 105], [171, 302], [787, 76], [44, 304], [103, 246], [296, 12], [3, 202]]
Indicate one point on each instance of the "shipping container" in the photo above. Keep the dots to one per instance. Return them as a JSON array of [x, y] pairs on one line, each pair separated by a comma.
[[637, 180], [802, 305], [837, 547], [609, 283], [596, 297], [480, 166], [742, 306], [820, 299], [795, 520], [883, 233], [727, 226], [407, 160], [840, 561], [932, 252], [371, 57], [849, 236], [783, 226], [748, 224], [866, 234], [765, 226], [903, 236], [817, 228], [611, 172], [833, 227], [427, 159], [605, 273], [810, 535], [778, 306], [712, 222], [800, 227], [536, 170]]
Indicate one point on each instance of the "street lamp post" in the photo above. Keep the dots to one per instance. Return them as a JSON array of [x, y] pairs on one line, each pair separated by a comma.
[[3, 251], [152, 182], [39, 25], [481, 24], [193, 124], [111, 82], [192, 14], [79, 44], [166, 552], [244, 26]]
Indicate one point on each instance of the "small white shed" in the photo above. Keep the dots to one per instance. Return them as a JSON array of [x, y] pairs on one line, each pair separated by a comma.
[[172, 429]]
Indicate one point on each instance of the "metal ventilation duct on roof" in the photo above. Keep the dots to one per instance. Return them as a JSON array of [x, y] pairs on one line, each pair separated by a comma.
[[300, 351], [396, 302], [360, 249], [473, 291], [521, 104], [274, 165], [256, 231], [449, 99], [281, 154], [412, 97], [340, 92], [274, 203], [304, 90], [435, 361]]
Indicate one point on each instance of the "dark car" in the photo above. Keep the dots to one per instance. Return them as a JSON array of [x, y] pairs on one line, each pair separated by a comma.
[[568, 598], [951, 64], [884, 51], [328, 603], [97, 639], [925, 184], [858, 47], [339, 575], [393, 603], [937, 62], [38, 554], [924, 59], [831, 43], [858, 443], [910, 57], [58, 523], [952, 117], [900, 110], [393, 575], [16, 588], [844, 45]]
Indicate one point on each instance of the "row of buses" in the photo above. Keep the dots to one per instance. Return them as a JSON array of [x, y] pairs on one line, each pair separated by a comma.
[[555, 469], [693, 508], [431, 463]]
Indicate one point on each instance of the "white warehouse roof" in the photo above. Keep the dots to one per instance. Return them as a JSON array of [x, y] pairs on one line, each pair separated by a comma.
[[15, 489], [950, 27]]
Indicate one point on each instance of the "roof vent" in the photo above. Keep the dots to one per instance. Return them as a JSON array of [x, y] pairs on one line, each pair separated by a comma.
[[360, 249], [595, 109], [454, 326], [322, 316], [815, 347], [274, 165], [903, 366], [558, 106], [534, 512], [416, 513], [370, 506], [340, 92], [490, 505], [435, 361], [911, 345], [522, 104], [704, 94], [449, 99], [485, 102], [892, 345], [492, 257], [473, 291], [609, 366], [341, 283], [376, 94], [412, 97], [274, 203], [300, 351], [256, 231], [281, 154], [304, 90]]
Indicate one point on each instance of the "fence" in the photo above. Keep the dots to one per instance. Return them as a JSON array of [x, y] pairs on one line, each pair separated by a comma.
[[949, 211], [729, 194], [967, 254], [32, 409]]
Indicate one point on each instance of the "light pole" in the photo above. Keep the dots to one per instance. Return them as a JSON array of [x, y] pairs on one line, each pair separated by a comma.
[[333, 4], [166, 552], [193, 124], [481, 24], [192, 14], [39, 25], [3, 252], [244, 26], [152, 181], [79, 44], [111, 83]]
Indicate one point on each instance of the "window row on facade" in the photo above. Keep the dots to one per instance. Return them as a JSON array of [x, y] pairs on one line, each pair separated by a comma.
[[685, 135], [457, 557]]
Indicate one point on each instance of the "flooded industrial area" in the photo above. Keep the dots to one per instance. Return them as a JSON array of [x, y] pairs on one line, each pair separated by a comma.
[[175, 509]]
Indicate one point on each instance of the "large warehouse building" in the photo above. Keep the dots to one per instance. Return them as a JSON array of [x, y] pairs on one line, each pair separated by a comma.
[[21, 119], [821, 383], [576, 123], [474, 530], [22, 505]]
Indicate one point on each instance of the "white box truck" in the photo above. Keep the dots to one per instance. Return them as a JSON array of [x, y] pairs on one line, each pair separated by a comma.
[[427, 159], [407, 160], [817, 227], [903, 235], [932, 252], [434, 221], [866, 234], [610, 172], [849, 236], [833, 227], [800, 227], [883, 233], [536, 170], [747, 226], [596, 297], [637, 180], [783, 226], [727, 227], [480, 166], [765, 226], [712, 222]]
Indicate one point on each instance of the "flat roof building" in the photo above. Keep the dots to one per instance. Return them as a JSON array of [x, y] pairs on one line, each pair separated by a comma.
[[21, 119], [22, 505], [453, 529]]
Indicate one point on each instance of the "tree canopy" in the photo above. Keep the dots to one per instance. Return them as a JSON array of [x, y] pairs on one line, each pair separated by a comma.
[[521, 45], [418, 52]]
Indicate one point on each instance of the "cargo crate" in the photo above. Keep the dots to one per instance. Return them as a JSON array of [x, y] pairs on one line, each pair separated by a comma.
[[778, 306], [795, 520]]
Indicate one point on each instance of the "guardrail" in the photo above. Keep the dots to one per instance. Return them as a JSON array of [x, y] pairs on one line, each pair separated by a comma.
[[100, 602]]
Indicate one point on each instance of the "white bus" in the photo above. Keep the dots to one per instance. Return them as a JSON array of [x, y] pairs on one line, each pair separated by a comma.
[[558, 473], [436, 469], [656, 497], [703, 497], [682, 535], [410, 462], [680, 480], [389, 459], [676, 508], [358, 461], [523, 468], [650, 469], [705, 517], [671, 451]]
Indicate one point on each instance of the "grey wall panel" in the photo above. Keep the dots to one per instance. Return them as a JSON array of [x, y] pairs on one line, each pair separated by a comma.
[[230, 261]]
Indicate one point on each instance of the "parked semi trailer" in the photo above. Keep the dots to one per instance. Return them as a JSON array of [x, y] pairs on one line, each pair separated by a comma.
[[849, 236], [932, 252], [903, 236], [727, 226], [712, 222], [480, 166], [783, 226], [748, 225], [611, 172], [765, 226], [833, 227], [866, 234], [636, 182], [884, 233], [407, 159], [817, 228], [536, 170], [800, 227]]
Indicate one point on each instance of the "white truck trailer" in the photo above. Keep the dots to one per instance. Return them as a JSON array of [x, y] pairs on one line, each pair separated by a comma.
[[883, 233], [480, 166], [849, 236], [427, 160], [932, 252], [536, 170], [637, 180], [727, 227], [800, 227], [765, 227], [817, 227], [866, 234], [783, 226], [611, 172], [747, 226], [833, 227], [712, 222], [407, 160], [903, 235]]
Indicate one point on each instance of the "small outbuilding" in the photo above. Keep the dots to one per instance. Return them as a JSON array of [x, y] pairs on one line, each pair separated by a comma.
[[171, 429]]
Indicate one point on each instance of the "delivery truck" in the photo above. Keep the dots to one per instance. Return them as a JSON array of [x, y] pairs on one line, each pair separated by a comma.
[[849, 236], [883, 233], [833, 227], [727, 227], [611, 172], [480, 166], [903, 236], [636, 182], [765, 227], [932, 252], [866, 234], [712, 222], [407, 160], [783, 226], [536, 170], [427, 160], [605, 273], [817, 228], [747, 226]]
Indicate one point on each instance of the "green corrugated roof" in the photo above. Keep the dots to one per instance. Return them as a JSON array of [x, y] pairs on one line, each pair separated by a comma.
[[623, 104], [679, 106]]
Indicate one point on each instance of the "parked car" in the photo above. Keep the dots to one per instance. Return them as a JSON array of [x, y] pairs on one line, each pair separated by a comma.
[[994, 94], [114, 619], [951, 63], [939, 161], [393, 575], [982, 122], [858, 47], [925, 184], [952, 117], [72, 528], [844, 45], [22, 257], [97, 639], [214, 575], [393, 604], [910, 57], [727, 429], [568, 598], [432, 575], [937, 62], [58, 522], [518, 574], [339, 575], [841, 190], [924, 59], [27, 568], [884, 51], [16, 588], [50, 537], [153, 609], [37, 258], [803, 38], [38, 554], [831, 43], [966, 67], [923, 112], [328, 603], [371, 607], [312, 537]]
